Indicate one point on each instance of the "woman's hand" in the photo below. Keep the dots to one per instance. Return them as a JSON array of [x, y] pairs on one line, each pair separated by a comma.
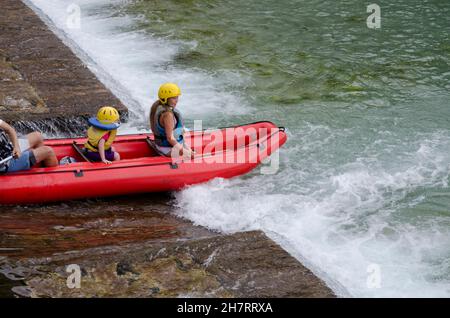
[[107, 162]]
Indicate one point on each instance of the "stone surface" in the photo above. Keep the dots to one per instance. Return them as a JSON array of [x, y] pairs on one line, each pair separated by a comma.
[[241, 265], [16, 95], [42, 230], [135, 247], [41, 78]]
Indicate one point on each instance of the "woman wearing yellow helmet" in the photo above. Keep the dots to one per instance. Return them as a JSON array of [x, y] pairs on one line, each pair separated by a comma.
[[101, 135], [167, 123]]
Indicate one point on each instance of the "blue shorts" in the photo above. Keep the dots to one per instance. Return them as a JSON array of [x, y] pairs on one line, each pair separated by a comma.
[[24, 162]]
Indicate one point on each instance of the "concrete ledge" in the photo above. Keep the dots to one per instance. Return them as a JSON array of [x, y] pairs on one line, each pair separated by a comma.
[[42, 79], [135, 247]]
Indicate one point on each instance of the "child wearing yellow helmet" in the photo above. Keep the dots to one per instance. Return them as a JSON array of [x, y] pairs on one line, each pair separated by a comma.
[[101, 135], [167, 123]]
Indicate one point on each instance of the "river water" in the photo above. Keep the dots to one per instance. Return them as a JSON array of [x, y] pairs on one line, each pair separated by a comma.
[[362, 194]]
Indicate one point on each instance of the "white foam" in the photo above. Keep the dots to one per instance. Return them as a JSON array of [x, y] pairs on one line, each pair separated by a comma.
[[344, 223], [132, 63]]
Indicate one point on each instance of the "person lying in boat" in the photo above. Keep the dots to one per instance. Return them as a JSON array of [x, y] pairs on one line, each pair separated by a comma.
[[167, 123], [101, 135], [18, 154]]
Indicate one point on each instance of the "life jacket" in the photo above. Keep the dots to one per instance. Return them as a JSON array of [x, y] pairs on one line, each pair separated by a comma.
[[160, 133], [6, 149], [94, 137]]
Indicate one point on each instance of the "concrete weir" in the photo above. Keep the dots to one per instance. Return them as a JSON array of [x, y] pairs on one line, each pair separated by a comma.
[[42, 80], [123, 247]]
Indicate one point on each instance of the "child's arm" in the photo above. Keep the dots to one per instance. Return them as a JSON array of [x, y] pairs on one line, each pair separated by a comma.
[[101, 151]]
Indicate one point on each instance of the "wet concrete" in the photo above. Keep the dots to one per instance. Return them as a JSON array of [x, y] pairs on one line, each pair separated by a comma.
[[42, 230], [42, 80], [6, 287], [135, 247], [245, 264]]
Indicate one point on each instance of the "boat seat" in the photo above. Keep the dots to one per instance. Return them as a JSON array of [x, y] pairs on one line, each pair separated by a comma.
[[152, 145], [79, 151]]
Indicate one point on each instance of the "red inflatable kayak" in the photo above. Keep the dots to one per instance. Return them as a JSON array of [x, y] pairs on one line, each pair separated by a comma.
[[223, 153]]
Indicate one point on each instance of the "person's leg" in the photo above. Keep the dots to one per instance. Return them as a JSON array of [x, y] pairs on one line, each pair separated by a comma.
[[112, 154], [35, 140], [93, 156], [165, 151], [20, 164], [47, 155]]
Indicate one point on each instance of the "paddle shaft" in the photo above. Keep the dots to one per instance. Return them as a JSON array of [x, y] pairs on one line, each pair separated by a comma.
[[6, 160], [9, 158]]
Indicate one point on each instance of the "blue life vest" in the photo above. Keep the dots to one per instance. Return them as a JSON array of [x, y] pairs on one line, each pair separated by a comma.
[[160, 133]]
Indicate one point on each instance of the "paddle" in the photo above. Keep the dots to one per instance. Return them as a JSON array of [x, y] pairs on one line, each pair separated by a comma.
[[6, 160]]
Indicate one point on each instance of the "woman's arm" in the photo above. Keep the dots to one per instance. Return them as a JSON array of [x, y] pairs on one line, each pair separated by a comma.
[[11, 132], [168, 120]]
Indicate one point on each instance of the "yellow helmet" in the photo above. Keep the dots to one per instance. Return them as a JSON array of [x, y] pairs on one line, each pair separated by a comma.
[[108, 115], [107, 118], [168, 90]]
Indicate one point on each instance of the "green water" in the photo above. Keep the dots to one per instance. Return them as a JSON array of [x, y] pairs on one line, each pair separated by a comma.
[[317, 62], [297, 52]]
